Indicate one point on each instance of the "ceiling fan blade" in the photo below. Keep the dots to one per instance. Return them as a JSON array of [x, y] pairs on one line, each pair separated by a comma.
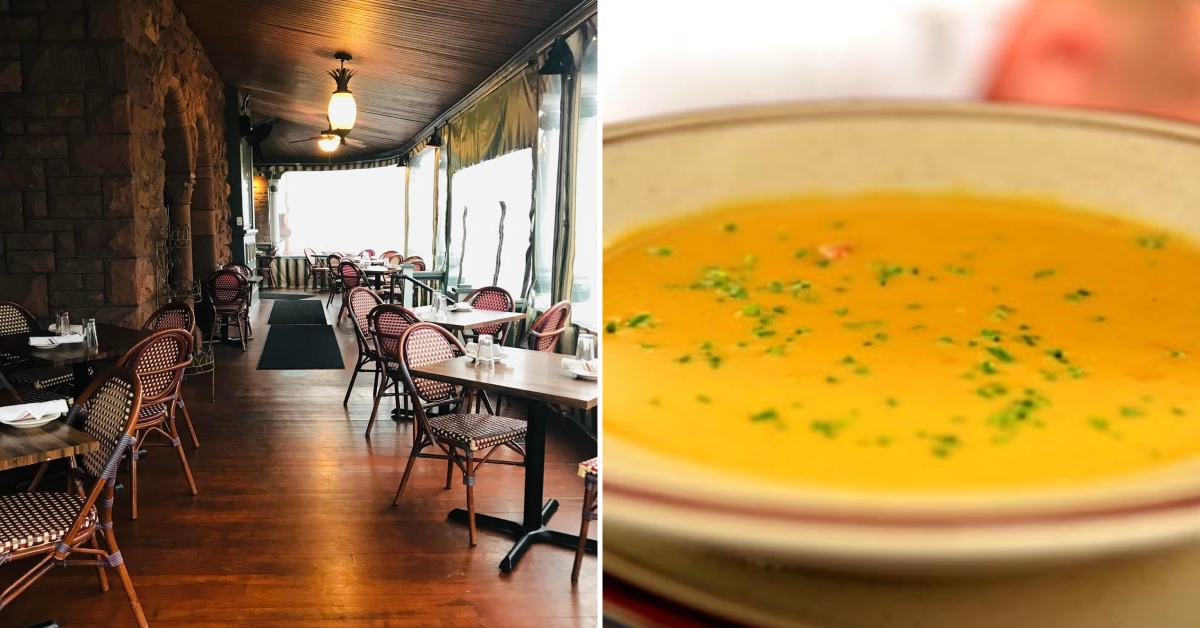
[[350, 141], [267, 121], [307, 139]]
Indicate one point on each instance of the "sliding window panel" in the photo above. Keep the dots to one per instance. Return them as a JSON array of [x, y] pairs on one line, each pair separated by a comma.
[[549, 134], [343, 210], [585, 298], [422, 177], [490, 225]]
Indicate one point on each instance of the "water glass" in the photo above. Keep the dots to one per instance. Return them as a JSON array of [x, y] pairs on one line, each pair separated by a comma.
[[439, 307], [486, 353], [585, 347], [90, 339], [63, 325]]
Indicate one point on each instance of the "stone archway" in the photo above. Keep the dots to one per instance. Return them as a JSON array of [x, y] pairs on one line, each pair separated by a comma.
[[204, 205], [179, 180]]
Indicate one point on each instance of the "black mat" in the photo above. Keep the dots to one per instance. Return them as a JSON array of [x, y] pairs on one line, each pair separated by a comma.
[[297, 313], [300, 347], [284, 296]]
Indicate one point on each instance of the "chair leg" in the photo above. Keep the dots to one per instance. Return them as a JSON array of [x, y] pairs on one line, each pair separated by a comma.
[[412, 458], [187, 470], [133, 483], [357, 367], [187, 419], [589, 502], [469, 480], [449, 468], [242, 332], [100, 573], [124, 573], [380, 391]]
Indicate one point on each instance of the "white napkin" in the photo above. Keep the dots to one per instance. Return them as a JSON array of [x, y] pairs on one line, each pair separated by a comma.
[[472, 349], [28, 411], [54, 341], [461, 307], [580, 366], [74, 329]]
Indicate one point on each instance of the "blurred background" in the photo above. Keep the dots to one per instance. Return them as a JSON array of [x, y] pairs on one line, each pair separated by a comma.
[[1138, 56]]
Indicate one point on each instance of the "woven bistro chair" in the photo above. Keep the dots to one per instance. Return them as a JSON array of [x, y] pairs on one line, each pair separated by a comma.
[[389, 254], [314, 271], [178, 315], [370, 253], [496, 299], [543, 334], [362, 301], [335, 281], [230, 296], [350, 276], [417, 263], [589, 470], [386, 324], [242, 269], [159, 360], [467, 440], [65, 529], [30, 383], [266, 270]]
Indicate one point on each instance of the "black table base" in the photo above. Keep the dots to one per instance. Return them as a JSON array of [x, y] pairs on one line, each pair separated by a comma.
[[524, 537]]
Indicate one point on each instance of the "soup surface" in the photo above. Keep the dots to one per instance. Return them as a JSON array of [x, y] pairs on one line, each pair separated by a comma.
[[905, 343]]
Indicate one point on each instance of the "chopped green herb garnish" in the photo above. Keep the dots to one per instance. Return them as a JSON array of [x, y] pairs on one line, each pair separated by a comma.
[[1152, 241], [765, 415], [659, 251], [1078, 295], [841, 311], [703, 399], [1044, 273], [1000, 354], [1130, 412], [730, 227], [828, 429]]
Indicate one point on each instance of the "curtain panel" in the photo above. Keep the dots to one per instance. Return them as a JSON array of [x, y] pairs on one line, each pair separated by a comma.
[[502, 122]]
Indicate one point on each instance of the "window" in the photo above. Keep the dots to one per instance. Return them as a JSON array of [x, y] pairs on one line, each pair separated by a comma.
[[422, 173], [488, 243], [549, 133], [585, 302], [342, 210]]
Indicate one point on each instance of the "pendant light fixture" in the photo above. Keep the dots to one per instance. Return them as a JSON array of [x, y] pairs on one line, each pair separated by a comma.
[[329, 142], [342, 109]]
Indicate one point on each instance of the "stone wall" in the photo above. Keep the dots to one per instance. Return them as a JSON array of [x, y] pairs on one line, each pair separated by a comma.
[[262, 213], [111, 113]]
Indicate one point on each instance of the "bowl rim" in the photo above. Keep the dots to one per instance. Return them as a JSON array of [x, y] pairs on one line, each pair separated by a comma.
[[786, 506]]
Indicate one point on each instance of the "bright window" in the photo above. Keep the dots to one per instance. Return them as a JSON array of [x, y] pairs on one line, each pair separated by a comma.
[[585, 302], [421, 177], [496, 240], [549, 134], [342, 210]]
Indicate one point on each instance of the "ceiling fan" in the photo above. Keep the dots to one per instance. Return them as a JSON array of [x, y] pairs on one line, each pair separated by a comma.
[[329, 140], [254, 132]]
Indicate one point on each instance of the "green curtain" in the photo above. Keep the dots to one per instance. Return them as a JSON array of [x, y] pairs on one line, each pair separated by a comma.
[[502, 122]]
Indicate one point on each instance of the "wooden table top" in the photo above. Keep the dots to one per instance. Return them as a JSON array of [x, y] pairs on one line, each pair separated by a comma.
[[524, 373], [468, 320], [24, 447], [114, 342]]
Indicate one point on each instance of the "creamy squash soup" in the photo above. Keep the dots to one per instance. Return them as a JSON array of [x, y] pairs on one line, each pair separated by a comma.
[[905, 343]]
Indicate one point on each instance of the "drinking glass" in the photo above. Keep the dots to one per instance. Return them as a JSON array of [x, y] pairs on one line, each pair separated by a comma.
[[486, 353], [63, 325], [585, 347], [90, 339], [439, 307]]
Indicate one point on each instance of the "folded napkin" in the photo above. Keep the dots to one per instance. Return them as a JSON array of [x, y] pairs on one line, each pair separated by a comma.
[[54, 341], [461, 307], [580, 366], [13, 415], [74, 329]]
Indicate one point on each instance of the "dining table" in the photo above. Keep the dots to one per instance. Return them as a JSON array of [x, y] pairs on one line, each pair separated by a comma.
[[461, 321], [22, 447], [535, 376], [115, 341]]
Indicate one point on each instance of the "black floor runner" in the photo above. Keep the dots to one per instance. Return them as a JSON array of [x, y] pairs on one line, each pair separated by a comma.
[[301, 347], [297, 313], [284, 296]]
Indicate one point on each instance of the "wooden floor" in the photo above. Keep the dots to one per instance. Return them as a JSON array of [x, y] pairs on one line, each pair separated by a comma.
[[294, 523]]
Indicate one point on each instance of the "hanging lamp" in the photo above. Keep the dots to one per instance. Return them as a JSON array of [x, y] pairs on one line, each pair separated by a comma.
[[343, 111]]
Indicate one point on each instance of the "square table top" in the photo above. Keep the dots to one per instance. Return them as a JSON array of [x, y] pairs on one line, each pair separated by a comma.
[[23, 447], [468, 320], [524, 373], [114, 342]]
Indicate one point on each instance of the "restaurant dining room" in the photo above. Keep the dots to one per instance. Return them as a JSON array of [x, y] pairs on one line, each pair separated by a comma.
[[299, 307]]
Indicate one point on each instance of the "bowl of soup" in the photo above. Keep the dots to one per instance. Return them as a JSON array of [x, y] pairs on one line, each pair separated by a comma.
[[903, 337]]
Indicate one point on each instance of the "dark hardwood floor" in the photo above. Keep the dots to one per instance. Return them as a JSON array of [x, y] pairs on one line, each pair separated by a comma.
[[294, 525]]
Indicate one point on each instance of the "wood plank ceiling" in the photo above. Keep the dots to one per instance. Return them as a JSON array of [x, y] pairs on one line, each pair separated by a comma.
[[413, 59]]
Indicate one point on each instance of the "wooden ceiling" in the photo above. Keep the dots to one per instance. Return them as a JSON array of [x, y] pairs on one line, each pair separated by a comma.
[[413, 59]]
